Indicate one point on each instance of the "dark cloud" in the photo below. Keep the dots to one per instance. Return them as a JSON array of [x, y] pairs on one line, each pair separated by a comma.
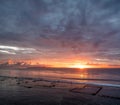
[[80, 25]]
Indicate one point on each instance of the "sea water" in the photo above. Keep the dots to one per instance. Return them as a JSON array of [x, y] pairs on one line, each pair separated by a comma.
[[92, 76]]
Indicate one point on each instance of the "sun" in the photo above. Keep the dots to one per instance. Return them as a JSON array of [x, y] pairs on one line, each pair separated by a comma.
[[81, 66]]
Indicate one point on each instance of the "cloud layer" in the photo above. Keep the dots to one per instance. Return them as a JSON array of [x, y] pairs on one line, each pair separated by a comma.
[[58, 27]]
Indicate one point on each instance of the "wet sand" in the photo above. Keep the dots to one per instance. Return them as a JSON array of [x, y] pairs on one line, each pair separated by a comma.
[[29, 91]]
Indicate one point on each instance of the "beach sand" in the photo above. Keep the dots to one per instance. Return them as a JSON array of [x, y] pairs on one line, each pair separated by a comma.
[[29, 91]]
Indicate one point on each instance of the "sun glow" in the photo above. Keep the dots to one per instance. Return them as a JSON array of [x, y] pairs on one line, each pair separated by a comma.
[[81, 66]]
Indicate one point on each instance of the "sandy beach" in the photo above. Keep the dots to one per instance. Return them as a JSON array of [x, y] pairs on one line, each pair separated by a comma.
[[29, 91]]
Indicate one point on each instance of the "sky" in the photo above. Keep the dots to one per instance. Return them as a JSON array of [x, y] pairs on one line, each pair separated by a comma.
[[60, 32]]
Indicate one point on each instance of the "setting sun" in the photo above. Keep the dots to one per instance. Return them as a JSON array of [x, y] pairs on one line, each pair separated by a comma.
[[81, 66]]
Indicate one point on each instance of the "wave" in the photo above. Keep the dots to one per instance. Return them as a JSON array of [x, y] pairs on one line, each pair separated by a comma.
[[93, 79], [69, 80]]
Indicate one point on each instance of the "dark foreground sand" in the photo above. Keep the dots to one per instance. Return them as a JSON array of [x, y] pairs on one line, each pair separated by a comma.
[[28, 91]]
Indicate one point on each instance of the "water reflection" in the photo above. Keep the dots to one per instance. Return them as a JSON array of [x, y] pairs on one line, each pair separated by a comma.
[[74, 74], [83, 75], [42, 73]]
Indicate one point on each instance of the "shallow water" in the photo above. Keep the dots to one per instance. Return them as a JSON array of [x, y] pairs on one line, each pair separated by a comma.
[[104, 76]]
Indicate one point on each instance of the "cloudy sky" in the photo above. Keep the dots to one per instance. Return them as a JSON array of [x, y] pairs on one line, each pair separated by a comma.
[[58, 31]]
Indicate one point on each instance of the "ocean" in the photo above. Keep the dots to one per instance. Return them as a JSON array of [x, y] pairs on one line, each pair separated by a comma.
[[90, 76]]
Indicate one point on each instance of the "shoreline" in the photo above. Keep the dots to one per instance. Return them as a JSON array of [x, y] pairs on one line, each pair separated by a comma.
[[32, 91], [68, 80]]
